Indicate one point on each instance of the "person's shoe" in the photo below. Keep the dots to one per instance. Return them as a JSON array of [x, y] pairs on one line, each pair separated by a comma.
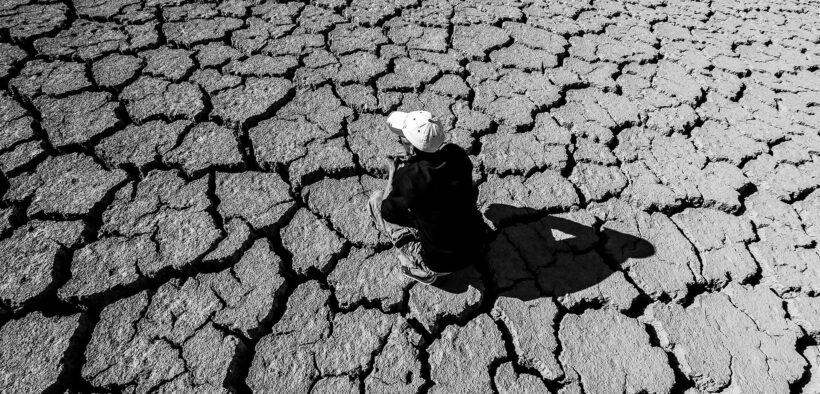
[[423, 276], [409, 254]]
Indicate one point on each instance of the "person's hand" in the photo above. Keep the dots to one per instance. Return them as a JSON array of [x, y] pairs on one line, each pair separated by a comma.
[[392, 164]]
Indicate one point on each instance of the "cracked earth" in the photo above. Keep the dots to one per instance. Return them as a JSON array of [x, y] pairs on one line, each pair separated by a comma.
[[183, 188]]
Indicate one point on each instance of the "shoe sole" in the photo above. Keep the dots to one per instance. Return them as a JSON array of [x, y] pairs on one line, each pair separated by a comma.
[[426, 281]]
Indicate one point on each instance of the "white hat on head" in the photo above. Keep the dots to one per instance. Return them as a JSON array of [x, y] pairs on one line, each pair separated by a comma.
[[419, 127]]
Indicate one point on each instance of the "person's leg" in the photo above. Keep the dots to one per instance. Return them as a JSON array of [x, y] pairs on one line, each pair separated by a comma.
[[405, 242], [392, 231], [412, 263]]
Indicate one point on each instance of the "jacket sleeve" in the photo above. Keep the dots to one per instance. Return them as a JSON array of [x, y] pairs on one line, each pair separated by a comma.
[[396, 206]]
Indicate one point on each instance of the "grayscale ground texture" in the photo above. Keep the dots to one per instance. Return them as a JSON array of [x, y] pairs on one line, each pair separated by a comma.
[[183, 189]]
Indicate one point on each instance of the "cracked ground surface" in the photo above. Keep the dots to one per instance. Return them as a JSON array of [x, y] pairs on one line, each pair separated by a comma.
[[183, 186]]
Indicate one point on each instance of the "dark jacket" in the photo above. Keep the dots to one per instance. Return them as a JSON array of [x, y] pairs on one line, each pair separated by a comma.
[[434, 193]]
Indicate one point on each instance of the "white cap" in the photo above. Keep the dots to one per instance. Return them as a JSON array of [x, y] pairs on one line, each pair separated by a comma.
[[419, 127]]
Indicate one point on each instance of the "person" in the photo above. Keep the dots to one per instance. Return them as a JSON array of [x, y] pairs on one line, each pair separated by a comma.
[[428, 208]]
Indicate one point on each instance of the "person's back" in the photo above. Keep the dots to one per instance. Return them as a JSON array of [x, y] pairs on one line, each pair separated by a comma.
[[433, 193]]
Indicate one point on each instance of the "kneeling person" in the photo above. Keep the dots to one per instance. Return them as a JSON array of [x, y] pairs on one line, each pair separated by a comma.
[[428, 208]]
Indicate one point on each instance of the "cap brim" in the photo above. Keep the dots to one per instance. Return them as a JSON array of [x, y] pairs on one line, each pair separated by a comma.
[[396, 120]]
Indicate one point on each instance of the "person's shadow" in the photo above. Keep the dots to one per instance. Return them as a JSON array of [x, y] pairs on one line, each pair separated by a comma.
[[534, 254]]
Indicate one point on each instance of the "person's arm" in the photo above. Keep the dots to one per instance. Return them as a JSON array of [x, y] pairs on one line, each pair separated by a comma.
[[392, 165], [395, 206]]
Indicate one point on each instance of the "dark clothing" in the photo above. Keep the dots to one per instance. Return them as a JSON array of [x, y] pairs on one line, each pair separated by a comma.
[[433, 192]]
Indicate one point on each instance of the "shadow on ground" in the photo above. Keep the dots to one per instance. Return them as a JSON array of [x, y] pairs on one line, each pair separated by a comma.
[[534, 254]]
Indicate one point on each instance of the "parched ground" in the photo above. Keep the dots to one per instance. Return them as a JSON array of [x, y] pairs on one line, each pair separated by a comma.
[[183, 189]]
